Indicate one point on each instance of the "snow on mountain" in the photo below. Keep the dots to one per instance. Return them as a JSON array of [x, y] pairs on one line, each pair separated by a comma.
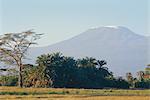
[[124, 50]]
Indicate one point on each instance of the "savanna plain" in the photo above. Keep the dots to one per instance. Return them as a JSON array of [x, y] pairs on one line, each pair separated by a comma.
[[16, 93]]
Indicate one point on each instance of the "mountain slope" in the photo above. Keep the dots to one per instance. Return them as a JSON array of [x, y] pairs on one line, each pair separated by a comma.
[[124, 50]]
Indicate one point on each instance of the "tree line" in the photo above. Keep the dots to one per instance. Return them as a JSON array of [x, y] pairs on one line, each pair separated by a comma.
[[59, 71]]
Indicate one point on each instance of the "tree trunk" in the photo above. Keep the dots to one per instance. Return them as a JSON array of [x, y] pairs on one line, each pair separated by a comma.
[[20, 81]]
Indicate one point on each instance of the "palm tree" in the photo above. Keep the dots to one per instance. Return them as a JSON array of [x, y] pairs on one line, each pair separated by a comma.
[[86, 62]]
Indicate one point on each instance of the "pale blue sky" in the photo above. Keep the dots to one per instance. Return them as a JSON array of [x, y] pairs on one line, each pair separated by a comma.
[[62, 19]]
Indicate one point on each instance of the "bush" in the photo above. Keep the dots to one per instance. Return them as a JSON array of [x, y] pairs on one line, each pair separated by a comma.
[[145, 84], [8, 81]]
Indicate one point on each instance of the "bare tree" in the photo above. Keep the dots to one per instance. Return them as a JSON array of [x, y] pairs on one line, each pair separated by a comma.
[[14, 47], [101, 63]]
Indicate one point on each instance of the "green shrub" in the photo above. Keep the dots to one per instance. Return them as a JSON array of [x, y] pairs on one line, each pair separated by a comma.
[[8, 80], [145, 84]]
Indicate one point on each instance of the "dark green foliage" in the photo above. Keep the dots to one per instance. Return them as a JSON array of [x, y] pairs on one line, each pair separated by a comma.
[[56, 70], [61, 70], [121, 83], [145, 84], [66, 72]]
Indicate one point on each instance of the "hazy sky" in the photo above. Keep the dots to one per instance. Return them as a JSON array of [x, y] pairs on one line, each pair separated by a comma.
[[62, 19]]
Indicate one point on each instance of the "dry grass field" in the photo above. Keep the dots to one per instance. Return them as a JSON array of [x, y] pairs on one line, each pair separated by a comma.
[[72, 97], [15, 93]]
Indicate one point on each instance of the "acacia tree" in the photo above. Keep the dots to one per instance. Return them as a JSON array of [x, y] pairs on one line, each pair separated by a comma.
[[14, 47]]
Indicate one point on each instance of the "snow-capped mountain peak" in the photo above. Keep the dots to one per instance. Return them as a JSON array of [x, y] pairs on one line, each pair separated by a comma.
[[124, 50]]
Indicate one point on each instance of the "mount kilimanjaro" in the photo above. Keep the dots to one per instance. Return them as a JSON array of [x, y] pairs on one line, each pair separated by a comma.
[[123, 50]]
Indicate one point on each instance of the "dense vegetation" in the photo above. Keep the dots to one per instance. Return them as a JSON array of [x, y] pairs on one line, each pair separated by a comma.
[[56, 70]]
